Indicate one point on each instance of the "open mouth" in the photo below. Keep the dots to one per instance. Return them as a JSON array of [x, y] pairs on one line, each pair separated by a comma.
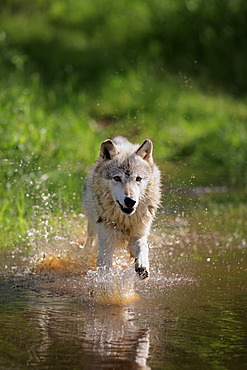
[[126, 210]]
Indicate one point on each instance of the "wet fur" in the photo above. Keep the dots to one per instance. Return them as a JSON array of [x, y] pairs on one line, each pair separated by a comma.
[[106, 220]]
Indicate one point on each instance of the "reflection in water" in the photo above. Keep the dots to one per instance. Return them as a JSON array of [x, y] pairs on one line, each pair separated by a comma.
[[101, 334], [51, 322], [195, 324]]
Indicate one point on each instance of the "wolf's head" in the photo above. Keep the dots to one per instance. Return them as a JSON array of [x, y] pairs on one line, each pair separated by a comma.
[[128, 170]]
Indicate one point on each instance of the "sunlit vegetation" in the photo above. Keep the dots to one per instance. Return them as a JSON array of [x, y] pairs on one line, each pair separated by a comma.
[[75, 72]]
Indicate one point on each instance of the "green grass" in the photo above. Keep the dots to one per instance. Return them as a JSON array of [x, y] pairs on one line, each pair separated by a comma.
[[198, 139], [43, 151], [65, 87]]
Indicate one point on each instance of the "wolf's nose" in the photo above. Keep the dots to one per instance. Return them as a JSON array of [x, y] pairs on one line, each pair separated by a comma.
[[129, 202]]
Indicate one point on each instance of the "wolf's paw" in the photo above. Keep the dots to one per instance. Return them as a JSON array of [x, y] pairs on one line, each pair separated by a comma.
[[142, 272]]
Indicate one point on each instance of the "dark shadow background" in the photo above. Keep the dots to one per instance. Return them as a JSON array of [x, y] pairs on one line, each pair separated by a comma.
[[206, 40]]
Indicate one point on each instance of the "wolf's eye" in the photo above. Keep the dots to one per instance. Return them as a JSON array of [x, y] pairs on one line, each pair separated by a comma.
[[117, 178], [138, 179]]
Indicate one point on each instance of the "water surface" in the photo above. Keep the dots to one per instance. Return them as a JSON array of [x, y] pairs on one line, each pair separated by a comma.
[[191, 313]]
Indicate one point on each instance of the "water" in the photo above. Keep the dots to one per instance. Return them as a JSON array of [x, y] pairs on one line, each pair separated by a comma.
[[58, 312]]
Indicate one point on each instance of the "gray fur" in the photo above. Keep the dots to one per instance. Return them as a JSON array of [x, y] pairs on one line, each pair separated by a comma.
[[120, 198]]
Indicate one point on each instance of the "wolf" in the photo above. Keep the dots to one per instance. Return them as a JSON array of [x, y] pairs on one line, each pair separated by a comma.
[[120, 197]]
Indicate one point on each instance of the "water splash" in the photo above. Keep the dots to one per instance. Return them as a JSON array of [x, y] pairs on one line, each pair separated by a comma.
[[58, 246], [114, 287]]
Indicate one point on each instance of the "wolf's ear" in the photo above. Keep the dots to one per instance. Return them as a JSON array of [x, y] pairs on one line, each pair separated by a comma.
[[108, 149], [146, 151]]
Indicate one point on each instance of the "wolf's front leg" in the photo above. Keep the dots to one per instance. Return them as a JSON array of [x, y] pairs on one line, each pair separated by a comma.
[[139, 249], [91, 238], [106, 241]]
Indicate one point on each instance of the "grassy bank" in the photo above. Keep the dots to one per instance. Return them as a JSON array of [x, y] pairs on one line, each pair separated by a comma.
[[47, 148]]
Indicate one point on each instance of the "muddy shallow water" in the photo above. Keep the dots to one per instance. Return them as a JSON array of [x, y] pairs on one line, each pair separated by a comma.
[[191, 313]]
